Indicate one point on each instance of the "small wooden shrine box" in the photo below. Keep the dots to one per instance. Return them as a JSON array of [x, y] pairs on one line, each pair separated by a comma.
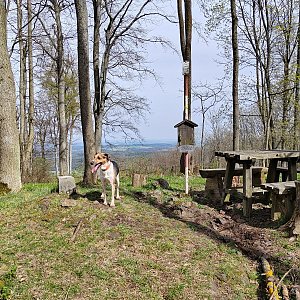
[[186, 132]]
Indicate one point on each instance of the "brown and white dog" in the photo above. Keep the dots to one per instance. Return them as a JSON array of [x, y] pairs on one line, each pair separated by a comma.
[[108, 171]]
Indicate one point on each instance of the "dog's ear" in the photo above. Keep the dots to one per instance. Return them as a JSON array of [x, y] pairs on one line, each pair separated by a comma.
[[107, 156]]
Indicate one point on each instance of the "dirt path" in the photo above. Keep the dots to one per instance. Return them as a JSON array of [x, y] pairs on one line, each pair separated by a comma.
[[256, 237]]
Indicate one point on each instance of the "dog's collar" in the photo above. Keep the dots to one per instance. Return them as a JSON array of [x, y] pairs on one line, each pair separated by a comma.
[[107, 167]]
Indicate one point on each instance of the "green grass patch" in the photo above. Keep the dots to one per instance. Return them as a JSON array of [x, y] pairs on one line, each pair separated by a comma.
[[132, 251]]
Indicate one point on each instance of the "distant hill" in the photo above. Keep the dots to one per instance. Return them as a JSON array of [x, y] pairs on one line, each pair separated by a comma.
[[124, 150]]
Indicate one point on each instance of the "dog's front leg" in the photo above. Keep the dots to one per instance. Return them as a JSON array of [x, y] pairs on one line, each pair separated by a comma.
[[118, 187], [104, 191], [113, 188]]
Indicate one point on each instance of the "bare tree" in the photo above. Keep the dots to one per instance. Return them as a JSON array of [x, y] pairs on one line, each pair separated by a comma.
[[124, 30], [84, 88], [209, 96], [28, 141], [97, 6], [297, 89], [63, 150], [10, 174]]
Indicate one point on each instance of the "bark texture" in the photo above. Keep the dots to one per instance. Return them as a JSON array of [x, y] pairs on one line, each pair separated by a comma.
[[84, 88], [10, 174]]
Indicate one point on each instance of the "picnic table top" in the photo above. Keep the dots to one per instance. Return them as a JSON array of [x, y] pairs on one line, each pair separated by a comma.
[[258, 154]]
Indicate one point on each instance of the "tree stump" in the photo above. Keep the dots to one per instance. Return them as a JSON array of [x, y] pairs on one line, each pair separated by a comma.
[[293, 225], [139, 180]]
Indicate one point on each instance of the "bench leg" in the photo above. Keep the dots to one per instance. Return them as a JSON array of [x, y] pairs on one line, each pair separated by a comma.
[[289, 206]]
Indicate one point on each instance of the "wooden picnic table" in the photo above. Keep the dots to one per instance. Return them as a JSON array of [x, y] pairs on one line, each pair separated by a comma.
[[248, 158]]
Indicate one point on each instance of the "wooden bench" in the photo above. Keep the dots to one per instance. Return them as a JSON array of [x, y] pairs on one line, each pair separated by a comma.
[[282, 195], [214, 186]]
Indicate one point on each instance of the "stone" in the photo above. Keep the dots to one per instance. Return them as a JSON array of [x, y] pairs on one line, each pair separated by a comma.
[[66, 184], [163, 183]]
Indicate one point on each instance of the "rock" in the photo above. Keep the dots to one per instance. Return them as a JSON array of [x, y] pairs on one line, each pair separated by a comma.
[[66, 184], [292, 238], [163, 183]]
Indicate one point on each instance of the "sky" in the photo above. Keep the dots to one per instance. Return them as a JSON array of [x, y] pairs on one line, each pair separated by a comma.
[[166, 98]]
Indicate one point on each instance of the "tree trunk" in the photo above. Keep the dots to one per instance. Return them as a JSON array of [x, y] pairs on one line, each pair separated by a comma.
[[62, 123], [22, 81], [70, 157], [297, 90], [28, 147], [97, 97], [84, 88], [235, 78], [10, 174]]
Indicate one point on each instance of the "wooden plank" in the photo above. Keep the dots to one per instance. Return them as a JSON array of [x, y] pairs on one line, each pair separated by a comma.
[[209, 173], [261, 154], [255, 190], [280, 187]]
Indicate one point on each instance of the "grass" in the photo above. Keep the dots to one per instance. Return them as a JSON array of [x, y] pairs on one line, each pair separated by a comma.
[[130, 252]]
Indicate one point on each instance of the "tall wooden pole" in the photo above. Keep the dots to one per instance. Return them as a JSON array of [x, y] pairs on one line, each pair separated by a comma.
[[185, 31]]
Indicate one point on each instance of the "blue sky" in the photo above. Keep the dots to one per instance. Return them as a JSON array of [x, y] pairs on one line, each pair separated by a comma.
[[166, 101]]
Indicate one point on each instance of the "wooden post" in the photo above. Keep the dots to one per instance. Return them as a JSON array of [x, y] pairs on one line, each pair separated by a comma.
[[186, 172], [272, 170], [138, 180], [293, 225], [247, 186]]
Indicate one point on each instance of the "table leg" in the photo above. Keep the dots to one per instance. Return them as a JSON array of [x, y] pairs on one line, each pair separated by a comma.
[[228, 177], [292, 169], [272, 170], [247, 189]]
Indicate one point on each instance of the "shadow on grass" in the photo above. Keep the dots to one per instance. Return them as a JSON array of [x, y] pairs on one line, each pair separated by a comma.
[[281, 264]]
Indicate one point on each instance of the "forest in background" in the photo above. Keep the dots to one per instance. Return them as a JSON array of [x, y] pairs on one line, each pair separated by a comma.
[[78, 67]]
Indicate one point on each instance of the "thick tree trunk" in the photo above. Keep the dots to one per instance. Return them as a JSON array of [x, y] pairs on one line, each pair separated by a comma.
[[84, 88], [10, 174]]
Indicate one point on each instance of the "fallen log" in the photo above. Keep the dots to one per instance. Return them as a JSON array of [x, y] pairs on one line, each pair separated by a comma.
[[285, 293], [271, 280]]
